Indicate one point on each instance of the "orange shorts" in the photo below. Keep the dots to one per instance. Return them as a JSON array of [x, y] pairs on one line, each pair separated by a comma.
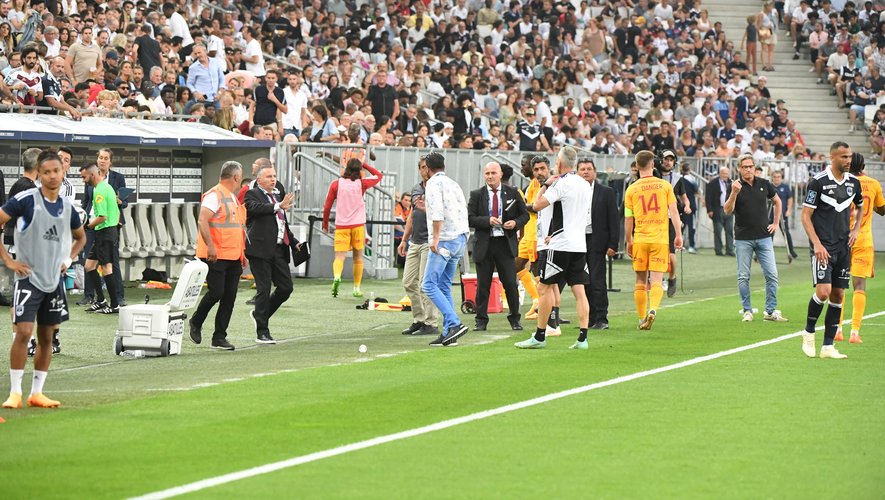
[[528, 250], [352, 238], [651, 257], [862, 262]]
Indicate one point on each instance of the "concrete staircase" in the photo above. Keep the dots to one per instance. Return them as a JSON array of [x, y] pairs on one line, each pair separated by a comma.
[[815, 111]]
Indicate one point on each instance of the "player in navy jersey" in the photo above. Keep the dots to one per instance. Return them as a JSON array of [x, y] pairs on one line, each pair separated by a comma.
[[825, 216]]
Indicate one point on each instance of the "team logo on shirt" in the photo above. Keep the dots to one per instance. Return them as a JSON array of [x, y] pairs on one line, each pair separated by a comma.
[[51, 234], [849, 190], [99, 199]]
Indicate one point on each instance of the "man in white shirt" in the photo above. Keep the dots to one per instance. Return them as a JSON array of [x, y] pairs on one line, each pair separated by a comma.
[[565, 259], [177, 24], [448, 228], [296, 116], [50, 39], [252, 55]]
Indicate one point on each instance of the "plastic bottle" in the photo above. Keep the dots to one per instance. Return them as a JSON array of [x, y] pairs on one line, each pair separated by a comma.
[[133, 354]]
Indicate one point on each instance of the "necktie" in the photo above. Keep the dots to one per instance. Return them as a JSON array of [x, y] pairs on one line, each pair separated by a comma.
[[495, 202], [281, 217]]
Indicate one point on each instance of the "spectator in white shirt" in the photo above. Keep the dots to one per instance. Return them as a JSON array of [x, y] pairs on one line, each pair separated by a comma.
[[252, 55], [176, 22]]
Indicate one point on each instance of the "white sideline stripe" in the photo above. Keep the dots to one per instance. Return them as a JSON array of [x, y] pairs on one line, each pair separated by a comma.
[[446, 424]]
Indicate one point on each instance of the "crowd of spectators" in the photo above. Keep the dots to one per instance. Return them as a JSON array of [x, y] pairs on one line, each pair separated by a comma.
[[611, 76], [846, 45]]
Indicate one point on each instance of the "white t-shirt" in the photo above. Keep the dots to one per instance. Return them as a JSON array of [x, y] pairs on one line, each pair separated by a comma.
[[544, 217], [52, 49], [573, 194], [254, 48], [296, 102], [217, 44], [179, 28]]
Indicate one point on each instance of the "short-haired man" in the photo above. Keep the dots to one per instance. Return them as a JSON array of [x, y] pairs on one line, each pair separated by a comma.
[[49, 235], [448, 228], [565, 258], [603, 234], [748, 202], [536, 167], [648, 203], [221, 244], [826, 215], [496, 211], [415, 247], [683, 206], [862, 253], [105, 222], [785, 193]]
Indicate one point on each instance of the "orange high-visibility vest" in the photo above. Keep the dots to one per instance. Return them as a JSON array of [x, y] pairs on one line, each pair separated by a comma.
[[226, 227]]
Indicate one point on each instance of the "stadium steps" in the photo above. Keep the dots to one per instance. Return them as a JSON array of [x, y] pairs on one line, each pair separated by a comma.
[[812, 106]]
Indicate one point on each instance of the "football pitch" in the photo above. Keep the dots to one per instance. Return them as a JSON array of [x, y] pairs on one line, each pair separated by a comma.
[[702, 406]]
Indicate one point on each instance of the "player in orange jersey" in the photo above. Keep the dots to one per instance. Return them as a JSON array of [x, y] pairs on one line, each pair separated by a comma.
[[648, 205], [862, 253], [538, 169]]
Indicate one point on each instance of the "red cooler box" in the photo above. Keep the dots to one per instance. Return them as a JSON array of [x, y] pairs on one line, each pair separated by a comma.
[[496, 302]]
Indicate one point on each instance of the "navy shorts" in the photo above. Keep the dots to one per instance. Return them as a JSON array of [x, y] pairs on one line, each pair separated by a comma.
[[836, 271], [30, 303]]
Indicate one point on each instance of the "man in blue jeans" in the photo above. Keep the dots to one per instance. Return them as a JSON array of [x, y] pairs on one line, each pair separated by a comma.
[[752, 233], [448, 228]]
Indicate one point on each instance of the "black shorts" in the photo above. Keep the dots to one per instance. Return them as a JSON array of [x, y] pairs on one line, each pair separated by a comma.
[[672, 233], [104, 246], [30, 303], [564, 267], [836, 271]]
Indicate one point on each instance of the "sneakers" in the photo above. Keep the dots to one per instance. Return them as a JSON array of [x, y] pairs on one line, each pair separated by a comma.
[[14, 401], [855, 338], [265, 338], [222, 344], [775, 316], [413, 328], [196, 333], [532, 313], [692, 250], [671, 287], [553, 332], [427, 330], [450, 339], [808, 344], [109, 310], [830, 352], [454, 333], [580, 344], [531, 343], [648, 321], [748, 316], [839, 337], [41, 401], [251, 302], [357, 293], [335, 284], [97, 306]]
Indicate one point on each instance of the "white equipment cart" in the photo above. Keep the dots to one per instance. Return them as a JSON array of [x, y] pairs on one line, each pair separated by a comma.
[[158, 329]]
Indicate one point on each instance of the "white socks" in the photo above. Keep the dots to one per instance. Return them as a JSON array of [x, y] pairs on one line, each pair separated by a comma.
[[39, 379], [15, 380]]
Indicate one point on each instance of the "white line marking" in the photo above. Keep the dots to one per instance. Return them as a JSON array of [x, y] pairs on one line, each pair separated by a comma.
[[689, 302], [446, 424]]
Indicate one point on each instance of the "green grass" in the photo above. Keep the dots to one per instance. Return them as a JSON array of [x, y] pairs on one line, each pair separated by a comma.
[[762, 423]]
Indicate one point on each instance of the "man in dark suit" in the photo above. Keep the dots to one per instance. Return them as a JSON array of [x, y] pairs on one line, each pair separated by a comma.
[[718, 190], [603, 235], [268, 241], [104, 160], [496, 212]]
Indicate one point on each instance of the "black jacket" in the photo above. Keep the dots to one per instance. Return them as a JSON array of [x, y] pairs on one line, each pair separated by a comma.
[[512, 208], [261, 224], [605, 219], [713, 192]]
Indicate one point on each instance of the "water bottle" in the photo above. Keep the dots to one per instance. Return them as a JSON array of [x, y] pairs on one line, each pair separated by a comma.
[[133, 354]]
